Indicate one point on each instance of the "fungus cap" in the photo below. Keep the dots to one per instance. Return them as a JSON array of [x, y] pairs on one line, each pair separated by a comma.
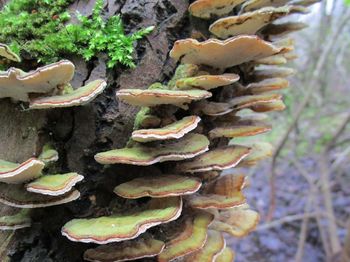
[[227, 255], [155, 97], [252, 5], [48, 154], [15, 221], [158, 187], [208, 201], [232, 131], [253, 100], [13, 173], [279, 72], [279, 59], [207, 8], [187, 147], [259, 151], [214, 52], [54, 185], [267, 85], [277, 105], [214, 108], [17, 84], [5, 51], [207, 82], [175, 130], [125, 251], [116, 228]]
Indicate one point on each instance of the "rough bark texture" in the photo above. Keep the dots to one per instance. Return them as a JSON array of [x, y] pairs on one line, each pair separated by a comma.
[[79, 133]]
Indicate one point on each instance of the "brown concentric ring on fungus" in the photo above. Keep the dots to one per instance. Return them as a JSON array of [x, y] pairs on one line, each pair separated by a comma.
[[17, 84], [15, 221], [267, 85], [214, 52], [175, 130], [54, 185], [252, 5], [5, 51], [207, 82], [260, 151], [158, 187], [237, 222], [116, 228], [207, 8], [279, 30], [187, 147], [13, 173], [279, 59], [269, 107], [227, 255], [212, 248], [208, 201], [77, 97], [278, 72], [125, 251], [154, 97], [17, 196], [217, 159], [191, 239], [250, 101], [232, 131], [251, 22]]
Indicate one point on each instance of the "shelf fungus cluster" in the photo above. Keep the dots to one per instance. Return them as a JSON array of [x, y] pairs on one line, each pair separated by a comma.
[[187, 130], [47, 86], [24, 186]]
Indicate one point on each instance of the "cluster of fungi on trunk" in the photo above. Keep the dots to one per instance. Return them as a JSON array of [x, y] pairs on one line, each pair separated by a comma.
[[185, 127], [223, 84]]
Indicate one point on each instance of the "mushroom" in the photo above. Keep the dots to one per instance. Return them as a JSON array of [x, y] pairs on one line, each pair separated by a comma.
[[175, 130], [158, 187], [207, 8], [267, 85], [77, 97], [279, 30], [54, 185], [191, 239], [48, 154], [15, 221], [217, 159], [260, 151], [237, 130], [128, 250], [17, 196], [213, 108], [237, 222], [253, 100], [277, 105], [227, 255], [121, 227], [213, 52], [251, 22], [183, 71], [206, 82], [154, 97], [280, 72], [17, 84], [279, 59], [212, 248], [13, 173], [252, 5], [5, 51], [189, 146]]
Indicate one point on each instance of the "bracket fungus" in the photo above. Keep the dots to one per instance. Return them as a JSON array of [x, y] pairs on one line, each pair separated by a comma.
[[251, 22], [213, 52], [206, 82], [18, 85], [13, 173], [227, 255], [77, 97], [267, 85], [254, 100], [280, 72], [252, 5], [15, 221], [175, 130], [54, 185], [5, 51], [120, 227], [260, 151], [154, 97], [232, 131], [48, 154], [158, 187], [187, 147], [207, 8], [191, 239], [217, 159], [126, 251]]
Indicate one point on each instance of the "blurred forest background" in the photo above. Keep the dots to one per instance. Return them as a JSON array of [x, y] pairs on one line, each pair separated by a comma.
[[303, 194]]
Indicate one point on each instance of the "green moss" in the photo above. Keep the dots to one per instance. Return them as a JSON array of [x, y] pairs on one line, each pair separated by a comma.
[[37, 28]]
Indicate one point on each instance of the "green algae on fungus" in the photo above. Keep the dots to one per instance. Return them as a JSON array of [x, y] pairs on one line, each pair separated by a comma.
[[187, 147], [13, 173], [128, 250], [18, 85], [5, 51], [227, 255], [158, 187], [48, 154], [175, 130], [206, 82], [191, 238], [208, 8], [16, 221], [18, 196], [77, 97], [54, 185], [214, 52], [155, 97], [216, 159], [121, 227]]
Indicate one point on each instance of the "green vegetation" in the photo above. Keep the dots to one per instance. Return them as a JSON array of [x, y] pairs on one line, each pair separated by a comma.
[[37, 28]]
